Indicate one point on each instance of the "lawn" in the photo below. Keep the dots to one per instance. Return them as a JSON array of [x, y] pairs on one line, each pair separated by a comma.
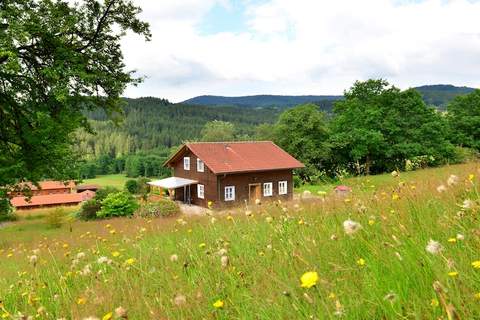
[[114, 180], [238, 266]]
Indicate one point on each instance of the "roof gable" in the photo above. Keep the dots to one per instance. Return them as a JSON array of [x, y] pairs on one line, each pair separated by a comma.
[[236, 157]]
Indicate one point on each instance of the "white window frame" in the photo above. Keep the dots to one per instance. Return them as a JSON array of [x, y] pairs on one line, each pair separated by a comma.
[[229, 193], [282, 187], [268, 189], [200, 166], [200, 191], [186, 163]]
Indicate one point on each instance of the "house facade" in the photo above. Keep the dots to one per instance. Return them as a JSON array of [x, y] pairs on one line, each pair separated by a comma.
[[230, 173]]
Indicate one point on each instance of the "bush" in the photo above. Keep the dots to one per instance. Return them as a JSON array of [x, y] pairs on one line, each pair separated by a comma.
[[118, 205], [89, 210], [160, 208], [463, 155], [131, 186], [55, 218], [104, 192], [6, 211]]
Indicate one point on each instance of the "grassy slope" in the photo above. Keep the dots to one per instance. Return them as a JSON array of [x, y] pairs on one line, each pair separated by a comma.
[[266, 259], [114, 180]]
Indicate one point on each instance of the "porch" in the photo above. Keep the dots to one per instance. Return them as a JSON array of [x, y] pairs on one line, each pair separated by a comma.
[[179, 189]]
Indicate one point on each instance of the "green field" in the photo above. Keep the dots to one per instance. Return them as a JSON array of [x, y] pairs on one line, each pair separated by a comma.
[[239, 266], [114, 180]]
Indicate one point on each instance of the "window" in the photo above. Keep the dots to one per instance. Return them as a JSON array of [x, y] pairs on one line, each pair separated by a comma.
[[267, 189], [282, 187], [200, 165], [186, 163], [200, 191], [230, 193]]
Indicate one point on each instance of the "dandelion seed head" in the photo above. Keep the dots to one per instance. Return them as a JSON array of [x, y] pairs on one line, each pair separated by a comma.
[[434, 247]]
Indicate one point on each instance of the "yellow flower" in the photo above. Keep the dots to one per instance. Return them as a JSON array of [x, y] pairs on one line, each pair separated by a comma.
[[9, 255], [202, 245], [65, 245], [81, 300], [309, 279], [113, 231], [116, 254], [453, 273], [301, 221], [452, 240], [477, 295], [108, 226], [347, 200], [107, 316], [471, 176], [218, 304], [361, 262], [332, 295], [476, 264], [395, 196], [434, 303], [130, 261], [210, 204], [371, 222]]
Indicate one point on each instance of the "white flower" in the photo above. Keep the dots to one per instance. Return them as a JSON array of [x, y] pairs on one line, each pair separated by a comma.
[[452, 180], [269, 219], [460, 236], [224, 261], [333, 237], [351, 227], [179, 300], [86, 270], [257, 201], [222, 252], [80, 255], [395, 173], [33, 259], [174, 258], [248, 213], [103, 260], [121, 313], [434, 247], [284, 209], [467, 204], [441, 188]]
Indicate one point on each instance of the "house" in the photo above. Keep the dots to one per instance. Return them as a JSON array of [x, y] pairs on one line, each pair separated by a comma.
[[85, 187], [229, 173], [46, 188]]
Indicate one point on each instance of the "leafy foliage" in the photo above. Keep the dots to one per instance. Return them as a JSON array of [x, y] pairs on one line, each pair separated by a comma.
[[464, 119], [218, 131], [56, 59], [89, 210], [131, 186], [55, 218], [117, 205], [102, 193], [159, 208]]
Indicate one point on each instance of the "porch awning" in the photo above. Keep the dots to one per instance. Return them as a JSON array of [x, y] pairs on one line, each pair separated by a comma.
[[172, 183]]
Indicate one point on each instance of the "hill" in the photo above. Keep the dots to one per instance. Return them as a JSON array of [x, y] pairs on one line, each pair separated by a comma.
[[438, 95]]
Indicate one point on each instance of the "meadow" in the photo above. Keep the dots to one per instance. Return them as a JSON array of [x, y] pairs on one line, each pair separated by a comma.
[[114, 180], [403, 246]]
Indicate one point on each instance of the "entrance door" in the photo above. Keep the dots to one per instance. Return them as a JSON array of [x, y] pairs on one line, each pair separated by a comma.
[[254, 192]]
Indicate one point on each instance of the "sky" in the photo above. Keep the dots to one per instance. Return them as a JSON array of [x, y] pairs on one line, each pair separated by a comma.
[[301, 47]]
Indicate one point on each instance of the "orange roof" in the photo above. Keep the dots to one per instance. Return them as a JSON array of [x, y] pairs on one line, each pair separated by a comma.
[[50, 184], [52, 199], [234, 157]]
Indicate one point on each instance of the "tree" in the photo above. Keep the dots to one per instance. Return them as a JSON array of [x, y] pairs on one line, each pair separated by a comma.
[[118, 204], [57, 59], [303, 132], [377, 127], [464, 119], [131, 186], [218, 131]]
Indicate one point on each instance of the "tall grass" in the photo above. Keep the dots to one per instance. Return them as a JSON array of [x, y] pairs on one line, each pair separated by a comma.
[[172, 268]]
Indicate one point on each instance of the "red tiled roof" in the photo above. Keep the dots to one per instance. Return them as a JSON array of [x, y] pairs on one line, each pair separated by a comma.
[[48, 185], [52, 199], [231, 157], [87, 187]]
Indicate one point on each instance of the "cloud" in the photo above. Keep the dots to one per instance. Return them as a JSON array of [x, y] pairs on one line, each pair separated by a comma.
[[304, 46]]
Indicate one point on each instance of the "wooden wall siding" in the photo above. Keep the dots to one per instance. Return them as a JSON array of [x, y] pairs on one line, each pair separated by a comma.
[[207, 178], [241, 181]]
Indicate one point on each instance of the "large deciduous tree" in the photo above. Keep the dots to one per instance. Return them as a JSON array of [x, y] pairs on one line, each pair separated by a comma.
[[464, 119], [378, 127], [217, 130], [57, 58]]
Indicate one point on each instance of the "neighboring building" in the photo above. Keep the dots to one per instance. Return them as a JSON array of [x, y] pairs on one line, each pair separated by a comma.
[[227, 173], [51, 200], [50, 194], [85, 187]]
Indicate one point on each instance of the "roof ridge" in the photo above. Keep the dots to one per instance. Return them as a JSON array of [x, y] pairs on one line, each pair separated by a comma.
[[220, 142]]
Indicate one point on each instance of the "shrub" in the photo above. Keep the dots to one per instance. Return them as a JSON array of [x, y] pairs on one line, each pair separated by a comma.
[[297, 181], [143, 188], [104, 192], [6, 211], [55, 218], [89, 210], [160, 208], [118, 205], [463, 154], [131, 186]]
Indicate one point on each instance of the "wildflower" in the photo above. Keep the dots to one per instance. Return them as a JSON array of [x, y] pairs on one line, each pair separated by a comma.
[[398, 256], [224, 261], [452, 180], [218, 304], [362, 209], [103, 260], [81, 301], [467, 204], [33, 260], [130, 261], [309, 279], [371, 222], [285, 209], [80, 255], [210, 204], [452, 240], [222, 252], [476, 264], [434, 303], [86, 270], [453, 273], [179, 300], [471, 176], [121, 313], [395, 196], [174, 258], [107, 316], [361, 262], [115, 254], [390, 297], [332, 295], [477, 295], [333, 237], [351, 227], [113, 231], [395, 173], [257, 201], [248, 213], [269, 219], [460, 236], [441, 188], [434, 247], [321, 193], [213, 220], [202, 245]]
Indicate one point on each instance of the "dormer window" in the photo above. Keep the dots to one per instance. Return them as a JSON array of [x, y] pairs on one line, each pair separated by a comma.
[[200, 166], [186, 163]]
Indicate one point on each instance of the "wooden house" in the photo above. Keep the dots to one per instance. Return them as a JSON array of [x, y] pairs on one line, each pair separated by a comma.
[[229, 173]]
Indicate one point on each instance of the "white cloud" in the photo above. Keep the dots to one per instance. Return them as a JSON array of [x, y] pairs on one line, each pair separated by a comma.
[[305, 47]]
